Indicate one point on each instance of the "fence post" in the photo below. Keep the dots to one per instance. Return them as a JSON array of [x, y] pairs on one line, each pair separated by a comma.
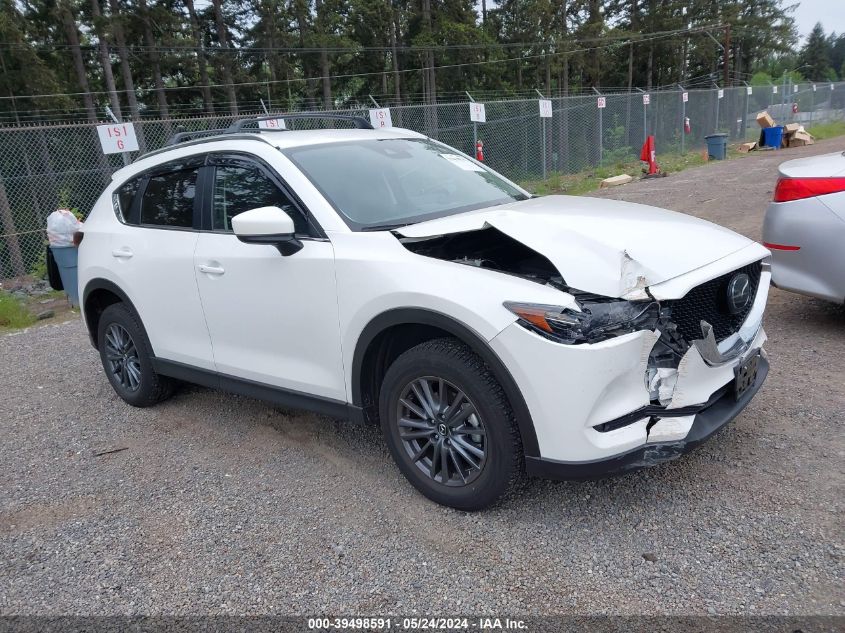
[[683, 118], [601, 127], [716, 124], [474, 126], [748, 90], [543, 132], [645, 122]]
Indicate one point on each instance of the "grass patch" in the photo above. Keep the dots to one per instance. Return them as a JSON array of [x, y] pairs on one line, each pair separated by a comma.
[[13, 314], [590, 179], [827, 130]]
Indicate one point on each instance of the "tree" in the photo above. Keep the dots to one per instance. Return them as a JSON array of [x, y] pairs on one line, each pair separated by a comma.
[[815, 54]]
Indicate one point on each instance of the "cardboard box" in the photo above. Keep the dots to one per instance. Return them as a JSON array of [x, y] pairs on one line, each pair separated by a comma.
[[615, 181], [747, 147], [764, 119], [801, 138], [789, 128]]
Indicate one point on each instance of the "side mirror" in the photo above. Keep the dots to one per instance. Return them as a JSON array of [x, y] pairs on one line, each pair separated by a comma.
[[267, 225]]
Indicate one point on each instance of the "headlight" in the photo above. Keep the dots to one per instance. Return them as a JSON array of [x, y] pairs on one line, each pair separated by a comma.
[[598, 320]]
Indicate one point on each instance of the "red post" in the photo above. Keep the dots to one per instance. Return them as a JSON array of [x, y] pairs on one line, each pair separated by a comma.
[[479, 151]]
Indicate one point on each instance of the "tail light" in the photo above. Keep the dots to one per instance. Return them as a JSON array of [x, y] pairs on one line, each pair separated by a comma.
[[798, 188]]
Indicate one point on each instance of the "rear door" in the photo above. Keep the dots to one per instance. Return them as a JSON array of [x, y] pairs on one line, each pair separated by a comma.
[[152, 254], [272, 319]]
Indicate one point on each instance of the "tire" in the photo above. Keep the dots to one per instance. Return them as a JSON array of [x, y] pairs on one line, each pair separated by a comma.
[[483, 448], [127, 356]]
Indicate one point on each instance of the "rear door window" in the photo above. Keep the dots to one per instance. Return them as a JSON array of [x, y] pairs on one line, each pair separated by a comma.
[[168, 199]]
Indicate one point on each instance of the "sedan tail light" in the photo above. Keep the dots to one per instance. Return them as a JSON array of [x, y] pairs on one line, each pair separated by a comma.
[[797, 188]]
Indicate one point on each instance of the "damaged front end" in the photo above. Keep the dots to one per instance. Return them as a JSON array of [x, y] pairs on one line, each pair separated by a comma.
[[697, 328]]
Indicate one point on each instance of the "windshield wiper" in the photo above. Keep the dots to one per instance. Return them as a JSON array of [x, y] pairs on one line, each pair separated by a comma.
[[385, 227]]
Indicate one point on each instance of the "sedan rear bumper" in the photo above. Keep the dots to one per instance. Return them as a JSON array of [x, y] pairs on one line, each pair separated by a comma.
[[708, 421]]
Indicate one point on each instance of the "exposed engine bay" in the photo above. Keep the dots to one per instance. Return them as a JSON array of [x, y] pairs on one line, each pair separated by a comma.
[[601, 317]]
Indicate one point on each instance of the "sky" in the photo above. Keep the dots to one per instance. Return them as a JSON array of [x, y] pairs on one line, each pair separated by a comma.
[[831, 13]]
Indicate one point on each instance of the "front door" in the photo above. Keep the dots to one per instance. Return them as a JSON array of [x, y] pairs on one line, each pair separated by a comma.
[[272, 319]]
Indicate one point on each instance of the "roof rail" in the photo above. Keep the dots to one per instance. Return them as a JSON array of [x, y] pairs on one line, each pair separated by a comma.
[[360, 122], [181, 137]]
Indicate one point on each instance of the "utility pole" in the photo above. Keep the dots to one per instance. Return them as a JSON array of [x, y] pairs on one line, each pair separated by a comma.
[[727, 54]]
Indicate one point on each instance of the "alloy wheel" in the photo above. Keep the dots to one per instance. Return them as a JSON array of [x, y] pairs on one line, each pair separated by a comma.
[[122, 357], [442, 431]]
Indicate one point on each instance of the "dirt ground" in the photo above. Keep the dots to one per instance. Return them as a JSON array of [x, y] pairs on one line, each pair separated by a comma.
[[219, 504]]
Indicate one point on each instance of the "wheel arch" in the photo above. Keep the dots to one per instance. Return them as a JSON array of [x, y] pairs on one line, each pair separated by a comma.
[[97, 296], [392, 332]]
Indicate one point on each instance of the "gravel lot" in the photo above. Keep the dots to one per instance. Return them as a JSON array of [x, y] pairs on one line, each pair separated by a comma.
[[221, 504]]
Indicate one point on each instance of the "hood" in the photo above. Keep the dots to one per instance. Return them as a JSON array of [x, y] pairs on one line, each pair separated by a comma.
[[606, 247]]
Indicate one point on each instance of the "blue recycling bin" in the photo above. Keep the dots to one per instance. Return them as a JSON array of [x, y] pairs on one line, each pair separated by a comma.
[[717, 146], [66, 260], [773, 136]]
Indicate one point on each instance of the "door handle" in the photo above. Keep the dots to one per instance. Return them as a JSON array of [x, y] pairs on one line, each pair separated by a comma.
[[211, 270], [122, 253]]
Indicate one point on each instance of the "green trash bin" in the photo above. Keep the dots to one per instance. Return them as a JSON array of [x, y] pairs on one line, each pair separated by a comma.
[[717, 146]]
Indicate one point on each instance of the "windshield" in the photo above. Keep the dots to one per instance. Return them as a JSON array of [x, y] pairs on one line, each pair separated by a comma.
[[378, 184]]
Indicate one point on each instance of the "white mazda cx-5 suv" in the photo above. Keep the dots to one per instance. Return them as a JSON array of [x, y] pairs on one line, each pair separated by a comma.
[[385, 277]]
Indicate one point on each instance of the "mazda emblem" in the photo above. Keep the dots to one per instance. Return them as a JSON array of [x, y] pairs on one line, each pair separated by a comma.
[[739, 293]]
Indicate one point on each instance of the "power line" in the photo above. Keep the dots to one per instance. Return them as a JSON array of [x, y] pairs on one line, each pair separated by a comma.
[[267, 82], [629, 36]]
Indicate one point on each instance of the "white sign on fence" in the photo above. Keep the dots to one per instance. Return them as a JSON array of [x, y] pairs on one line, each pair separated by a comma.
[[601, 102], [795, 88], [684, 97], [477, 112], [117, 137], [380, 117], [774, 90], [272, 124], [748, 90], [831, 86], [646, 99], [545, 108], [814, 87], [721, 93]]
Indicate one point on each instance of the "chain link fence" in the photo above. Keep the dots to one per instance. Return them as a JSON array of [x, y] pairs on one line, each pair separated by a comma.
[[44, 167]]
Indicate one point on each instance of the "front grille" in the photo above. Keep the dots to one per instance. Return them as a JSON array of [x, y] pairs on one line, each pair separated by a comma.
[[709, 302]]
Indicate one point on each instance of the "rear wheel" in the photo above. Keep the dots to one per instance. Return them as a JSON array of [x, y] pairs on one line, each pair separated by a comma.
[[449, 425], [127, 358]]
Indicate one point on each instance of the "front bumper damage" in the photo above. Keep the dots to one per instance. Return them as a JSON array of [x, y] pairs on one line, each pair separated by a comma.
[[603, 409], [694, 429]]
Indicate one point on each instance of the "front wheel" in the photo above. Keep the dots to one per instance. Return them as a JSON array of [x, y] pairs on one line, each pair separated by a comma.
[[449, 425]]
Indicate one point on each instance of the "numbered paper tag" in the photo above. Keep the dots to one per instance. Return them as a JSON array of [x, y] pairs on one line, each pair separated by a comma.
[[477, 112], [272, 124], [545, 108], [684, 97], [117, 138], [601, 102], [748, 90], [380, 117], [774, 90], [463, 163], [721, 93], [646, 99]]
